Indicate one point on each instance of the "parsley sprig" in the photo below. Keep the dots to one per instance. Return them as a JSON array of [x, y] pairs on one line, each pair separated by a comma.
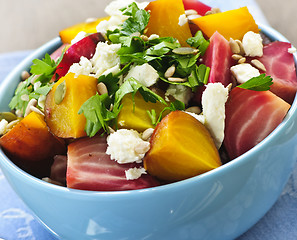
[[260, 83]]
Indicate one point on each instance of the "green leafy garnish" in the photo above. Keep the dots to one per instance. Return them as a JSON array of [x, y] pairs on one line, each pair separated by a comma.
[[97, 114], [260, 83], [198, 41]]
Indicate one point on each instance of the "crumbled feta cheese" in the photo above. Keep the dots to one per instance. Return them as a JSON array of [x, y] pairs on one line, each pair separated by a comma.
[[3, 125], [214, 98], [84, 67], [78, 37], [252, 44], [123, 146], [179, 92], [199, 117], [144, 73], [182, 20], [153, 36], [106, 59], [134, 173], [292, 50], [110, 24], [244, 72]]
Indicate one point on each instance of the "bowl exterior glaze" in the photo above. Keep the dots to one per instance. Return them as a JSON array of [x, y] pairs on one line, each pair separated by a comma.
[[220, 204]]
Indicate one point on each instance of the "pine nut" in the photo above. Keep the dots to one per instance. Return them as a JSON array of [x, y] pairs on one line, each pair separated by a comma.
[[256, 63], [194, 109], [32, 102], [102, 89], [242, 60], [25, 75], [147, 134], [175, 79], [234, 46], [170, 71], [144, 38], [242, 52], [191, 12], [236, 57]]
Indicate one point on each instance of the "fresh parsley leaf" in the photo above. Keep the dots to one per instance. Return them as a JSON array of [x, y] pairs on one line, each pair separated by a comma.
[[260, 83], [176, 105], [198, 41], [153, 116], [132, 86], [96, 114], [137, 21]]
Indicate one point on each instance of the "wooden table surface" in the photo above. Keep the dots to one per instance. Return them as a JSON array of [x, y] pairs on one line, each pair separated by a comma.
[[29, 24]]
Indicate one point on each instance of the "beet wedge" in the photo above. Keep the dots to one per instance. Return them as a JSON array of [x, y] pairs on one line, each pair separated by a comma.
[[90, 168], [250, 117], [280, 65]]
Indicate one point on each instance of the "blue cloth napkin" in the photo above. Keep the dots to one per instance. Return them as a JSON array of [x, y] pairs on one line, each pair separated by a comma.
[[18, 222]]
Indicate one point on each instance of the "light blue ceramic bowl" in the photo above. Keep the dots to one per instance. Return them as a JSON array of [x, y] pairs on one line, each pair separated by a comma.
[[220, 204]]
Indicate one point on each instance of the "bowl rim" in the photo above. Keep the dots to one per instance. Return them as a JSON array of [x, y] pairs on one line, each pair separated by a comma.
[[53, 44]]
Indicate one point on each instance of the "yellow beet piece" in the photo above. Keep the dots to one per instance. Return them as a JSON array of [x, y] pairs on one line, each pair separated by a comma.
[[69, 33], [63, 118], [137, 117], [31, 146], [165, 18], [231, 24], [181, 147]]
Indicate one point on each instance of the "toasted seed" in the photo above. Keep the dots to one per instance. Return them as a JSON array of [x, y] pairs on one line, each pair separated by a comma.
[[175, 79], [60, 92], [25, 75], [256, 63], [101, 88], [111, 130], [136, 34], [230, 86], [191, 12], [35, 109], [34, 78], [10, 125], [213, 11], [190, 17], [170, 71], [144, 37], [242, 60], [142, 147], [194, 109], [90, 20], [185, 50], [242, 52], [8, 116], [234, 46], [32, 102], [147, 134], [236, 57]]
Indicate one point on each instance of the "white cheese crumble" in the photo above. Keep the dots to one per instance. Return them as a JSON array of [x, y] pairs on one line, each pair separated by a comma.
[[134, 173], [104, 61], [214, 98], [84, 67], [123, 144], [182, 20], [78, 37], [179, 92], [3, 126], [252, 44], [244, 72], [116, 15], [144, 73], [292, 50]]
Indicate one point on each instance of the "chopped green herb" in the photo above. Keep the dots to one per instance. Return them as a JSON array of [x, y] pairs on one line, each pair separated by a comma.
[[260, 83], [198, 41]]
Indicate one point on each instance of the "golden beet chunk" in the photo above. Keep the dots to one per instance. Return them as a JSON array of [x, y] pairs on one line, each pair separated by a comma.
[[31, 146], [164, 20], [63, 103], [181, 147]]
